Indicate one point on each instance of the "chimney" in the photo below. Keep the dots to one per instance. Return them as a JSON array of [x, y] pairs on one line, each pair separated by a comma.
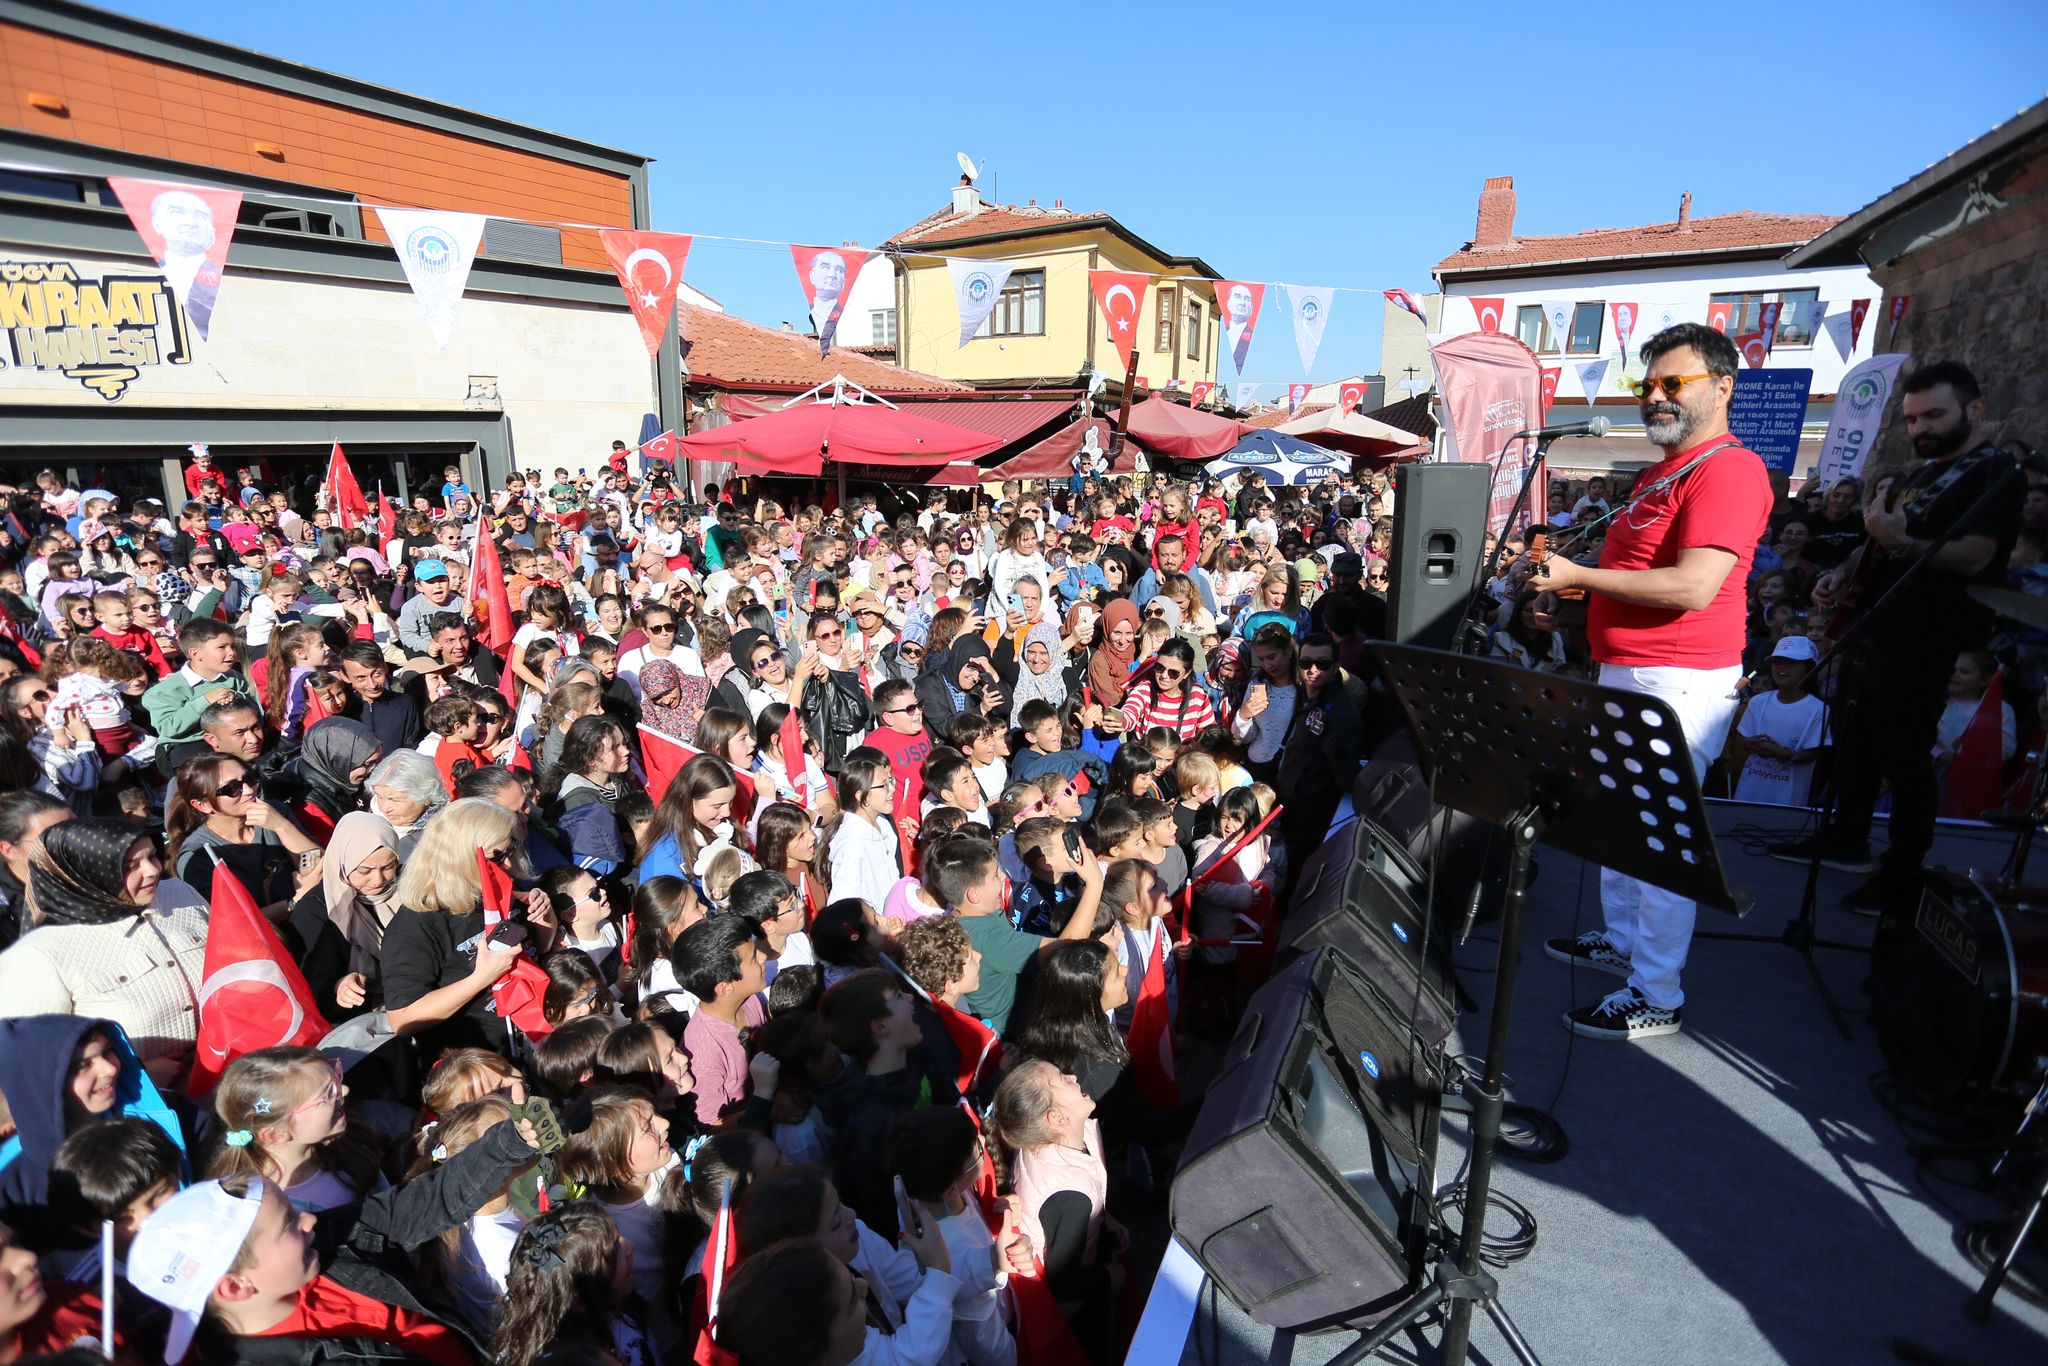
[[1496, 213], [1685, 212], [1059, 203], [966, 199]]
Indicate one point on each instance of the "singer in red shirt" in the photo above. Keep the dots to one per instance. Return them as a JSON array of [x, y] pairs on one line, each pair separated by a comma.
[[1666, 618]]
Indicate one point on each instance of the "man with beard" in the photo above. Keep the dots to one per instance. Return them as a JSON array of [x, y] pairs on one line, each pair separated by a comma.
[[1667, 617], [1895, 681]]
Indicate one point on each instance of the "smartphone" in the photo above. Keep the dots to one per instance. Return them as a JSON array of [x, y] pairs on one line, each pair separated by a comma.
[[1073, 841], [1016, 603], [308, 859], [508, 936]]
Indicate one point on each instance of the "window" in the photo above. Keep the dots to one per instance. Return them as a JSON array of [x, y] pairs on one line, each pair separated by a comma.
[[71, 190], [1194, 328], [1585, 338], [1164, 342], [1019, 310], [882, 327], [257, 214], [1795, 319], [1534, 330]]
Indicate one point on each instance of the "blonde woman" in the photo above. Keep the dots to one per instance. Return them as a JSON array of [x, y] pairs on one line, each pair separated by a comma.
[[438, 967]]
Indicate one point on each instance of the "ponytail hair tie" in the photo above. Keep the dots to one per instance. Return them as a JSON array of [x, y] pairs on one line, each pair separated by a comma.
[[239, 1138], [440, 1153]]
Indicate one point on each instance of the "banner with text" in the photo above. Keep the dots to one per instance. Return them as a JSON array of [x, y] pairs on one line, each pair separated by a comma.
[[1492, 388], [1860, 401], [1768, 412]]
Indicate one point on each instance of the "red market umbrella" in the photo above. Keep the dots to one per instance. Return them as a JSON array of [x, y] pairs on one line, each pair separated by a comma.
[[1184, 433], [1052, 457], [799, 439]]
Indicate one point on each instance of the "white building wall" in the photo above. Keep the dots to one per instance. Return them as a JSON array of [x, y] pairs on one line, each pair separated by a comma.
[[874, 291]]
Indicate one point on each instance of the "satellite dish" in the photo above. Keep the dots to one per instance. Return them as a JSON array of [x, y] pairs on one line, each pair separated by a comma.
[[966, 165]]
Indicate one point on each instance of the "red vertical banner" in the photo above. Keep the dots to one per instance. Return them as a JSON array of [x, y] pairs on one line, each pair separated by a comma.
[[1151, 1033], [1717, 316], [1551, 374], [1237, 309], [1493, 387], [1120, 294], [1488, 313], [1625, 316], [489, 597], [1900, 303], [1767, 323], [827, 275], [1859, 309], [350, 508], [650, 268]]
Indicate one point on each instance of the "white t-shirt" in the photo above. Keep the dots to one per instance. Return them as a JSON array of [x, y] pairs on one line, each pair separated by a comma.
[[482, 1259], [1796, 725]]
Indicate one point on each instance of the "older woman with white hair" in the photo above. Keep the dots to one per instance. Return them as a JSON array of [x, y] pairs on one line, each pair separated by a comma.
[[405, 791]]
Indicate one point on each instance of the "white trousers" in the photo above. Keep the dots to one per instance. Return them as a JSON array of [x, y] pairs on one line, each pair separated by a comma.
[[1650, 926]]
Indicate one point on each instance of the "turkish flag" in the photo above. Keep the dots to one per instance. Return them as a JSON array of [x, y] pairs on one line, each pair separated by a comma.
[[1297, 394], [1858, 310], [387, 519], [979, 1047], [316, 710], [516, 996], [1488, 313], [1899, 305], [350, 507], [252, 994], [1976, 778], [1120, 294], [663, 756], [1203, 391], [488, 597], [1044, 1337], [1755, 350], [1624, 325], [519, 758], [721, 1255], [661, 448], [1717, 316], [1151, 1034], [827, 275], [1402, 299], [1551, 375], [791, 738], [649, 267], [1349, 396]]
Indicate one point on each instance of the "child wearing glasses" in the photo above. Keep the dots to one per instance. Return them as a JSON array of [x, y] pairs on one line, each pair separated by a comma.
[[283, 1118]]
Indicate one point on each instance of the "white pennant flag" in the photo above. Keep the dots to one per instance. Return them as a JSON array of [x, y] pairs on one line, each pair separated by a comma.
[[436, 249], [1816, 319], [1245, 390], [976, 287], [1839, 326], [1591, 374], [1654, 318], [1309, 306], [1558, 313]]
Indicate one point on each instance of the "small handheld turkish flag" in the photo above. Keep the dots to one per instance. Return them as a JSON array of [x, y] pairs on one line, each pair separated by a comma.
[[252, 994], [1151, 1036], [351, 509]]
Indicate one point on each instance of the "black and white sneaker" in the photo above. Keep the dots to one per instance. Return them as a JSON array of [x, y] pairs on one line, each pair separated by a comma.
[[1624, 1016], [1590, 950]]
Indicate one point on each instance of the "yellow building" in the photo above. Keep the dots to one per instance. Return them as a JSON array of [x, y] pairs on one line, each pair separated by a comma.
[[1046, 328]]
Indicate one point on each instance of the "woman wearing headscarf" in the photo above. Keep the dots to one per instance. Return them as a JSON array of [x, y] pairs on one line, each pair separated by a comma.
[[1041, 678], [671, 701], [336, 759], [114, 939], [1116, 650], [359, 884]]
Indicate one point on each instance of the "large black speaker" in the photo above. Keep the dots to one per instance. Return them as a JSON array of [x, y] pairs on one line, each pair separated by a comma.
[[1306, 1184], [1414, 839], [1439, 539], [1342, 902]]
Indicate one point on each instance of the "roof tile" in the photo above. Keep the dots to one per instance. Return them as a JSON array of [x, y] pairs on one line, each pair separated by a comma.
[[948, 226], [1746, 230], [734, 353]]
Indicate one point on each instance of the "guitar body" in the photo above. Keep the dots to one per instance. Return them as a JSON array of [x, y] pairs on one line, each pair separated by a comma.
[[1538, 552], [1850, 598]]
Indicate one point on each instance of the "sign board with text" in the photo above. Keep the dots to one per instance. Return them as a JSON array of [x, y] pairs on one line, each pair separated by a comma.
[[1769, 412]]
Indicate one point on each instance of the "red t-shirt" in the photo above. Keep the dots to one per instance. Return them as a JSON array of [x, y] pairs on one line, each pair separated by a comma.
[[907, 754], [328, 1309], [1724, 503]]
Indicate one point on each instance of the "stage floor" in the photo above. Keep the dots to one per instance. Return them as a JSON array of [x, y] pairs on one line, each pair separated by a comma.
[[1733, 1193]]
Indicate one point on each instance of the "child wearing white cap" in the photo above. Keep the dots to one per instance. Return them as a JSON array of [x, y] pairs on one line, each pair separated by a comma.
[[1782, 730]]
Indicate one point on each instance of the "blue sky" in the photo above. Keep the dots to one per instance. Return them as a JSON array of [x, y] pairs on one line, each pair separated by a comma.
[[1339, 144]]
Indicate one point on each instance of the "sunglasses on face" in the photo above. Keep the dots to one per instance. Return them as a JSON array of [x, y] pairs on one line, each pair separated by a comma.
[[829, 635], [905, 711], [237, 787], [661, 628], [759, 664], [1670, 384], [1318, 665], [1170, 675]]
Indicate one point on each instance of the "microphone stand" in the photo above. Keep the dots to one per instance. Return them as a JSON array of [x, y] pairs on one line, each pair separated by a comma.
[[1491, 566]]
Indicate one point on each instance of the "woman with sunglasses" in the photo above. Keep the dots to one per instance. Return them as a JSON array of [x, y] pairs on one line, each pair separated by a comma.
[[660, 638], [1166, 695], [217, 817], [59, 744]]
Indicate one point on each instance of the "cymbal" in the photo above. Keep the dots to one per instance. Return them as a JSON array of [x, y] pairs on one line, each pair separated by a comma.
[[2023, 608]]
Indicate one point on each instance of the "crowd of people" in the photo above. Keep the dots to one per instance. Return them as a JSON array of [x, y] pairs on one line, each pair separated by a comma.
[[867, 864]]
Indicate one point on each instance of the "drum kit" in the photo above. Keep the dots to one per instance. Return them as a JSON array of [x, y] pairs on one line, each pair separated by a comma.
[[1959, 976]]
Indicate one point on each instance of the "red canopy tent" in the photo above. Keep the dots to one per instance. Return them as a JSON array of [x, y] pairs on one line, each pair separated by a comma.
[[1183, 433], [1050, 458], [840, 422]]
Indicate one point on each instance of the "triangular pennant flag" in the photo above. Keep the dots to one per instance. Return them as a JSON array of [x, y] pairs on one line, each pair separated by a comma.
[[1297, 394], [436, 250], [1551, 373], [1755, 351], [1246, 391], [187, 231], [1349, 395], [1558, 313], [1402, 299], [251, 994], [1900, 303], [1151, 1033], [1203, 391], [1816, 319], [1487, 313], [827, 275], [1718, 315], [1625, 316], [1858, 310], [1656, 317], [1120, 294], [1309, 306], [650, 267], [1237, 306], [1841, 328], [1591, 375], [1767, 323], [977, 285], [489, 598], [345, 495]]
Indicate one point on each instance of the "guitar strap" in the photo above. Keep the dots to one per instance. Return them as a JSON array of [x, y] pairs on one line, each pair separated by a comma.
[[1667, 482]]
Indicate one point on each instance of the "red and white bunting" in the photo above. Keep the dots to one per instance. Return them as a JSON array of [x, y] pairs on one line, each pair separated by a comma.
[[1120, 294], [650, 268], [827, 275], [1488, 312], [187, 230]]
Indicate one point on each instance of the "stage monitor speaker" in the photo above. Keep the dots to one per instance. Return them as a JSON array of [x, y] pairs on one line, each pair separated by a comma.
[[1439, 539], [1305, 1186], [1415, 837]]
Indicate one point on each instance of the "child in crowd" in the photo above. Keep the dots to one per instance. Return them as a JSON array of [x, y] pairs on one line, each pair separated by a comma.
[[282, 1118], [458, 722], [718, 961], [1782, 730], [619, 1156]]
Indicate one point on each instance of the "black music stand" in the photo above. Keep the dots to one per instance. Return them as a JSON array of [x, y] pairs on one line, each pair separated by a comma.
[[1596, 772]]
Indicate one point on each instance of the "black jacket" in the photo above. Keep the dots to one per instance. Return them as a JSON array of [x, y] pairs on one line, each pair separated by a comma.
[[860, 1108], [835, 710]]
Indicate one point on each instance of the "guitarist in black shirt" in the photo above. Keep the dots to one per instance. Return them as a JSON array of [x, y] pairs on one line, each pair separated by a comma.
[[1896, 670]]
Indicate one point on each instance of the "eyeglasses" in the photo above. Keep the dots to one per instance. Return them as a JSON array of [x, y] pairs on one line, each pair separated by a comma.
[[911, 651], [42, 696], [501, 857], [1319, 665], [330, 1094], [828, 635], [146, 607], [661, 628], [235, 787], [763, 662], [149, 564], [1670, 384]]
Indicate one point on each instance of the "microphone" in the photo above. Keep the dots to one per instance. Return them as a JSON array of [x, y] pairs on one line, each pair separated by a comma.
[[1592, 426]]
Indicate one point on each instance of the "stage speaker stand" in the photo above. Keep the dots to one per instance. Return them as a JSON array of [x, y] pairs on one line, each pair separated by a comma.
[[1439, 540]]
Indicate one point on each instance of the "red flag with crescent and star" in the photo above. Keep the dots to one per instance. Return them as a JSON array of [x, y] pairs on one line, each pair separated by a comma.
[[661, 448], [827, 275], [980, 1048], [1754, 348], [1551, 375], [1859, 309], [663, 757], [351, 509], [791, 738], [1120, 294], [252, 994], [1237, 306], [488, 598], [1349, 396], [650, 267], [1202, 392], [1151, 1034], [387, 519], [1488, 313], [1718, 316]]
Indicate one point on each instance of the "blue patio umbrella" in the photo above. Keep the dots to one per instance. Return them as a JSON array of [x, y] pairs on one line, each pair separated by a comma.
[[1280, 459]]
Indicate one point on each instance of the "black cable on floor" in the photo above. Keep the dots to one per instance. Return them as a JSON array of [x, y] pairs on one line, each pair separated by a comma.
[[1494, 1250]]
